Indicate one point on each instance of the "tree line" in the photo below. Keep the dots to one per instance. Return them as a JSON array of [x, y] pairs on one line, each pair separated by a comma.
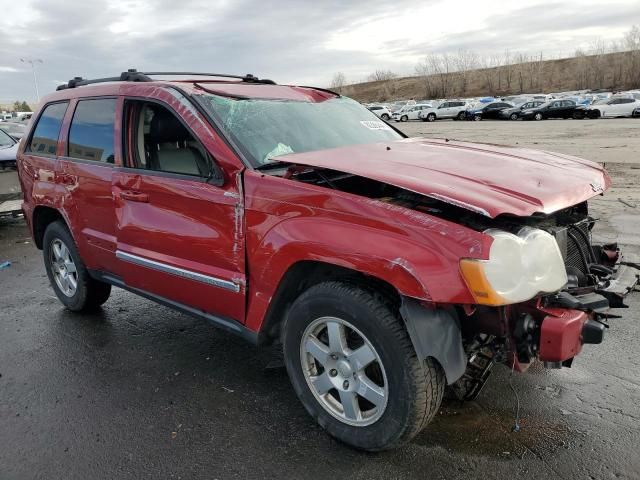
[[465, 73], [19, 106]]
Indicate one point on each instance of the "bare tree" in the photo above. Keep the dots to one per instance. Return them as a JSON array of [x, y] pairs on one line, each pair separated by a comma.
[[489, 74], [597, 51], [631, 45], [509, 71], [423, 70], [338, 81], [465, 62], [381, 75]]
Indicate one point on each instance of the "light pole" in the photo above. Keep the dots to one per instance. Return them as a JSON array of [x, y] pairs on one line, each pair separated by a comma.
[[33, 62]]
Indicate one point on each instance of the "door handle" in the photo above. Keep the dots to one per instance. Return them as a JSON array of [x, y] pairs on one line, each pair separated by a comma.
[[135, 196]]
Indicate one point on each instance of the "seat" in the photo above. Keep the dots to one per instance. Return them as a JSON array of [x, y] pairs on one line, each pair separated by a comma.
[[171, 150]]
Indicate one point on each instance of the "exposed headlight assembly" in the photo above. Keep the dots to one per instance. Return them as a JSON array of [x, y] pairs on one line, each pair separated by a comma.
[[519, 268]]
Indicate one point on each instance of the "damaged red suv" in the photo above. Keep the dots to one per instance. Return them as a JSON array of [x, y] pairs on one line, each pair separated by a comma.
[[386, 267]]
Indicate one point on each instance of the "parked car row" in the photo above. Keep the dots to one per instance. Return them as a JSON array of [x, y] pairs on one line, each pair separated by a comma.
[[578, 105]]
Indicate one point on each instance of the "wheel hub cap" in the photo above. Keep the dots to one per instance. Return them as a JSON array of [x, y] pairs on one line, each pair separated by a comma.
[[63, 268], [343, 371]]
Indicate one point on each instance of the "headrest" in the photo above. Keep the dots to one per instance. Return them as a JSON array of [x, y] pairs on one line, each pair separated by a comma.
[[165, 127]]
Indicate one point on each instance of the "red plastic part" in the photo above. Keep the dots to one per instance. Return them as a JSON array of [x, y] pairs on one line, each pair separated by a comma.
[[561, 335]]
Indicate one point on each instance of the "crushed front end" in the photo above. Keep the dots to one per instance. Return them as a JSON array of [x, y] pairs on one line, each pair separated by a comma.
[[554, 325]]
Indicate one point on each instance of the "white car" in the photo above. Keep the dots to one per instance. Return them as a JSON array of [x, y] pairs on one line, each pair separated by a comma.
[[411, 112], [382, 112], [614, 107], [455, 109]]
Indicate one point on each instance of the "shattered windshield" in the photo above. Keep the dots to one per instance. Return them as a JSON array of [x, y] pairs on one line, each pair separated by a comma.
[[267, 128]]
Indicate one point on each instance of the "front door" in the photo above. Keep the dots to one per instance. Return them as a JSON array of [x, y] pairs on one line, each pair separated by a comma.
[[180, 234]]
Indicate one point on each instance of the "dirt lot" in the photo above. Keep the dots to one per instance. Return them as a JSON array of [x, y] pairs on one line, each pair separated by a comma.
[[139, 391]]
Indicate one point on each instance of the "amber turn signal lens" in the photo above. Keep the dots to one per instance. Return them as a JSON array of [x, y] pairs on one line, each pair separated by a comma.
[[473, 274]]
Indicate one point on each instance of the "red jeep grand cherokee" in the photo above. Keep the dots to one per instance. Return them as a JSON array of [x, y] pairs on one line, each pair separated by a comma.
[[387, 267]]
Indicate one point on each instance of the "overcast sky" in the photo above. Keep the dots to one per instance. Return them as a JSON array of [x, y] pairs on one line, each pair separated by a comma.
[[291, 41]]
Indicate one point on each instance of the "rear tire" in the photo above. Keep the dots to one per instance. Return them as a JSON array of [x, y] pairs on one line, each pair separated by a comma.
[[385, 117], [68, 274], [404, 118], [409, 390], [461, 116]]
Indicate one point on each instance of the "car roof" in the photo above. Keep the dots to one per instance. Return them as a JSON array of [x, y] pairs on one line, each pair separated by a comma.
[[246, 87]]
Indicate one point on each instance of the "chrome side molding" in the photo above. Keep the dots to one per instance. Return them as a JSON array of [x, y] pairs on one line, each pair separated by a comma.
[[179, 272]]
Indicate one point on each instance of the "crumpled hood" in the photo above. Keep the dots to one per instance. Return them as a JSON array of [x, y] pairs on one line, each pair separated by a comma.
[[488, 179]]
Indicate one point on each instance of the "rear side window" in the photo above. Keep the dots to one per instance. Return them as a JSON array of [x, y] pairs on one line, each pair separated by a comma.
[[45, 136], [91, 134]]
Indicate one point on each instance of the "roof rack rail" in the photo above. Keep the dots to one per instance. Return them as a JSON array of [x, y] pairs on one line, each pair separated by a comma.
[[132, 75]]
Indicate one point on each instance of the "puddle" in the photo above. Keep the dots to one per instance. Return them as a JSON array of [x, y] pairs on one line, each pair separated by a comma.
[[471, 430]]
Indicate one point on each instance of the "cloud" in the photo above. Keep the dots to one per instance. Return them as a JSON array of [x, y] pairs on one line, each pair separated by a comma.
[[291, 41]]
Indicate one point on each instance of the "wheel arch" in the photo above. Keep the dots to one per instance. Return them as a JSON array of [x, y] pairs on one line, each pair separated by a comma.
[[42, 217], [434, 332], [302, 275]]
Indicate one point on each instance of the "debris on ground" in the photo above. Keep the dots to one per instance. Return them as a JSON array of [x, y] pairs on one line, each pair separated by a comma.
[[5, 264], [627, 203]]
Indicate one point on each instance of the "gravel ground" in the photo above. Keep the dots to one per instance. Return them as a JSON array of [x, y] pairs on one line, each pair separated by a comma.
[[139, 391]]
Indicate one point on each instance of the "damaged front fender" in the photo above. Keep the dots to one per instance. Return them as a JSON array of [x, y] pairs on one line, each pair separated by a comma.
[[435, 332]]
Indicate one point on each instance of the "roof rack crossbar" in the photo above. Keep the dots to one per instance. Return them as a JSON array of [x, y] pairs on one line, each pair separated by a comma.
[[132, 75]]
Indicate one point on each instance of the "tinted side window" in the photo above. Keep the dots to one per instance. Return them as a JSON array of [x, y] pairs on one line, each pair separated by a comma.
[[45, 135], [162, 143], [91, 133], [626, 100]]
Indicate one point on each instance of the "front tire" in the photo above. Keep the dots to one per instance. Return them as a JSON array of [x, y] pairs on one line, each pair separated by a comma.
[[431, 117], [353, 366], [538, 116], [513, 116], [67, 272], [385, 117], [404, 118]]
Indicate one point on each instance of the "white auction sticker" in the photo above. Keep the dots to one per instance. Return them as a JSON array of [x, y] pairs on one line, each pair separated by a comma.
[[375, 125]]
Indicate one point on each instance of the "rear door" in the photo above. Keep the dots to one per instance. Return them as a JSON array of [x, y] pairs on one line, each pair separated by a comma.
[[552, 110], [443, 110], [86, 170], [568, 107], [180, 232], [625, 107]]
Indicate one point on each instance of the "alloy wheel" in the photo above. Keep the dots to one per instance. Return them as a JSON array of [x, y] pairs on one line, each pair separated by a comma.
[[343, 371], [63, 268]]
